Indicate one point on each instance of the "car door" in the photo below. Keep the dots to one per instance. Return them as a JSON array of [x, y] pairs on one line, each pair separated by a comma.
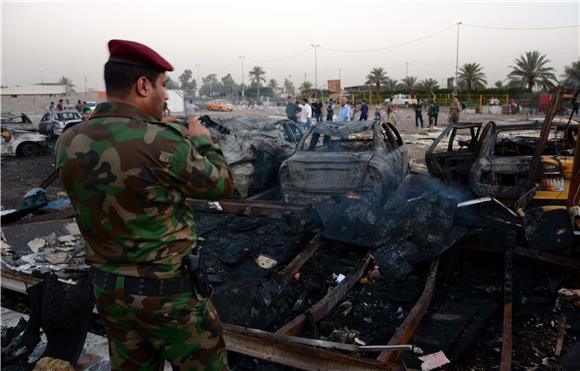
[[454, 152]]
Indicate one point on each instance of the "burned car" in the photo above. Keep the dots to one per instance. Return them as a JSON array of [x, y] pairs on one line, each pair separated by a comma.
[[55, 125], [254, 148], [363, 158], [494, 159], [22, 142], [19, 121]]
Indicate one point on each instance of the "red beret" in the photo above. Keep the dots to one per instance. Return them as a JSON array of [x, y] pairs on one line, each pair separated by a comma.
[[131, 52]]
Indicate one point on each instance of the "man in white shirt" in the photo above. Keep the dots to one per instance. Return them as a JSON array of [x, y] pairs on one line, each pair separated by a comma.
[[307, 110], [190, 109]]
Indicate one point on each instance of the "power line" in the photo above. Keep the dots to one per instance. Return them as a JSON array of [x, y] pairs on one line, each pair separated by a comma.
[[390, 46], [521, 28]]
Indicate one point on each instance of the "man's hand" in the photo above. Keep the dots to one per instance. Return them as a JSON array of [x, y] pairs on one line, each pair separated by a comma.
[[196, 128]]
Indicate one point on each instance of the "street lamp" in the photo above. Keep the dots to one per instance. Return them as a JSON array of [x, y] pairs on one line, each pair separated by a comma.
[[198, 81], [457, 59], [315, 46], [242, 57]]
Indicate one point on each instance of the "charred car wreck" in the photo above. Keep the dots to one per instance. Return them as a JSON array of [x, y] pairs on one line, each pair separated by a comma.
[[362, 158], [254, 148], [494, 159]]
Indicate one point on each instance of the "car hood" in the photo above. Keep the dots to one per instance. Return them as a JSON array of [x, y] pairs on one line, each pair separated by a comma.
[[326, 172]]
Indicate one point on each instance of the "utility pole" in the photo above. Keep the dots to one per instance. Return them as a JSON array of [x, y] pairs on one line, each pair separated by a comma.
[[315, 66], [407, 69], [198, 85], [457, 59], [339, 70], [86, 91], [242, 57]]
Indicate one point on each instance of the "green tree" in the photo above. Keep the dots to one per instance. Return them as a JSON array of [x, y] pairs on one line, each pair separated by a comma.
[[498, 84], [377, 77], [408, 83], [531, 70], [471, 77], [257, 75], [289, 87], [187, 84], [68, 84], [305, 87], [391, 84], [572, 73], [273, 84], [209, 84], [429, 85], [171, 84], [228, 84]]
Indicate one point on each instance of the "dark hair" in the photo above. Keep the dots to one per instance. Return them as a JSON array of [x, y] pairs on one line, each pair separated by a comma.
[[120, 77], [305, 100]]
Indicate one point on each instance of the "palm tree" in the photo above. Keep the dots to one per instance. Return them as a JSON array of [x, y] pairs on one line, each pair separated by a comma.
[[377, 77], [272, 84], [391, 84], [531, 70], [305, 87], [472, 77], [572, 73], [429, 85], [409, 83], [498, 84], [256, 76], [289, 87], [68, 84]]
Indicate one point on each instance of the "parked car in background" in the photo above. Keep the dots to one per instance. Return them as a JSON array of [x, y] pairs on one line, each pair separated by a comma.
[[55, 127], [363, 158], [10, 120], [22, 143], [220, 105], [401, 100], [494, 159]]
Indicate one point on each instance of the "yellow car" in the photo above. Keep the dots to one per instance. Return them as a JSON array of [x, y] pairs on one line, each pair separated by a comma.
[[220, 106]]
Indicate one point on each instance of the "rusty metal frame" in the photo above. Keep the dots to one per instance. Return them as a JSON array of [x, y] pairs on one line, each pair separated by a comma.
[[299, 260], [407, 329], [261, 208], [278, 348], [320, 309], [507, 339]]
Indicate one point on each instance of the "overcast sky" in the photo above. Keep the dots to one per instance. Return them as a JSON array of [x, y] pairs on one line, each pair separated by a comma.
[[52, 39]]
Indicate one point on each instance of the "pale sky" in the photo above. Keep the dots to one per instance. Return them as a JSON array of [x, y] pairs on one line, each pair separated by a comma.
[[47, 40]]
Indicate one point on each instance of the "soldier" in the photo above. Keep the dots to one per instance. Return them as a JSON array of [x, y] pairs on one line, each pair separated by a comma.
[[128, 175]]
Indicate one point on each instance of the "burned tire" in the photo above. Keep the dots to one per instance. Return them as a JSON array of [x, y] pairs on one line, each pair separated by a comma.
[[406, 104], [28, 149]]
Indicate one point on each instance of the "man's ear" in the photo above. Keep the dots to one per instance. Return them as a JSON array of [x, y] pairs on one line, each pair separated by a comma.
[[143, 87]]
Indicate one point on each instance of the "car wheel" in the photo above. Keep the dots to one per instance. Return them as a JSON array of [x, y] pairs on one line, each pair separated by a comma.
[[28, 149], [406, 104]]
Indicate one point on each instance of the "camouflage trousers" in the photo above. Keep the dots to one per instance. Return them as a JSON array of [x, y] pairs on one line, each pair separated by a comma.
[[144, 331]]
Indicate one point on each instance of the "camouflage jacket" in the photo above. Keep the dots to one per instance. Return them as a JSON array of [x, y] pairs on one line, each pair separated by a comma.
[[127, 176]]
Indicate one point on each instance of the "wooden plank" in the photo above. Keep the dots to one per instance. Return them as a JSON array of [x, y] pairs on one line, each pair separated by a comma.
[[320, 309], [407, 329], [299, 260]]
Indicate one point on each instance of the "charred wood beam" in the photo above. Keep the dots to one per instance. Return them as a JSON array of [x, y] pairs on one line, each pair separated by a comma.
[[320, 309], [506, 348], [16, 281], [407, 329], [261, 208], [540, 256], [266, 193], [299, 260], [280, 349]]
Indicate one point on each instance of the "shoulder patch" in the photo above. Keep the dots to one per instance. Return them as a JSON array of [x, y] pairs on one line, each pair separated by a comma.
[[165, 157]]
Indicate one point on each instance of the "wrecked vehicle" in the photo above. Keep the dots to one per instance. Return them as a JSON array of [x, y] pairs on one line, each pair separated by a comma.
[[22, 142], [11, 121], [254, 148], [332, 159], [494, 159], [55, 126]]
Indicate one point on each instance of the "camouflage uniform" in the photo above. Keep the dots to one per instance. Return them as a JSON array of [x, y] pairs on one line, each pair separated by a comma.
[[127, 176]]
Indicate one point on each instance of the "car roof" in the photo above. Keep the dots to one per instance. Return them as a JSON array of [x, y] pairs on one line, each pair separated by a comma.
[[342, 129]]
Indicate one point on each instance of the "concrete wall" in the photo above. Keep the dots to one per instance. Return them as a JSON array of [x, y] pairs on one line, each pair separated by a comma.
[[34, 104]]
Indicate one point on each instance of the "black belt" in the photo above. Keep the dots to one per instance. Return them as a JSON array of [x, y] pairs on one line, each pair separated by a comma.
[[143, 286]]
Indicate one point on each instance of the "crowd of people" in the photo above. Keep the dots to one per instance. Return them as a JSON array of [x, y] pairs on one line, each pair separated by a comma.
[[303, 111], [63, 105]]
